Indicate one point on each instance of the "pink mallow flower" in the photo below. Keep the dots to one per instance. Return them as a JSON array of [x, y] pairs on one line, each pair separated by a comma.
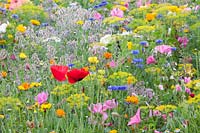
[[117, 13], [97, 16], [163, 49], [110, 104], [150, 60], [135, 119], [98, 108], [41, 97], [187, 79], [178, 88], [183, 41]]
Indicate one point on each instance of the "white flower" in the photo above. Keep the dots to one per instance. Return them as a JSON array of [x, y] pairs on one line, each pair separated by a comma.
[[3, 27], [106, 39], [56, 39]]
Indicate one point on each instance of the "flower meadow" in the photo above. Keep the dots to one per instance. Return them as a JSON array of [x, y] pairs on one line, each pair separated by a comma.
[[99, 66]]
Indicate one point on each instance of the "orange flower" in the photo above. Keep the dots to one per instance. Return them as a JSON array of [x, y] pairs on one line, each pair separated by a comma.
[[107, 55], [150, 16], [3, 74], [132, 99], [52, 62], [60, 113], [24, 86]]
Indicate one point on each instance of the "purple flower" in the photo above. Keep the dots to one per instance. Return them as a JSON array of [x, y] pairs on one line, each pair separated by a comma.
[[183, 41]]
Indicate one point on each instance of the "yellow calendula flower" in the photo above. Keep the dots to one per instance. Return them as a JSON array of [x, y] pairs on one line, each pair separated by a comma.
[[22, 55], [2, 41], [24, 86], [93, 59], [45, 106], [132, 99], [80, 22], [2, 116], [35, 22], [21, 28]]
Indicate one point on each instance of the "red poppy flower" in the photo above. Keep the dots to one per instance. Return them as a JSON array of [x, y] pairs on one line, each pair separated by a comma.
[[59, 72], [76, 75]]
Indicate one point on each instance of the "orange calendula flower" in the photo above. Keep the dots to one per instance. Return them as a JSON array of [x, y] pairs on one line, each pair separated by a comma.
[[150, 16], [107, 55], [3, 74], [60, 113], [132, 99], [52, 61], [24, 86]]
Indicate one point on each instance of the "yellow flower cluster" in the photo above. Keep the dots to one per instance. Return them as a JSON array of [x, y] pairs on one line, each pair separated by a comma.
[[96, 77], [194, 100], [62, 89], [186, 69], [26, 86], [194, 84], [113, 19], [153, 70], [166, 108], [77, 100], [10, 103], [145, 29], [113, 131], [22, 55], [122, 78], [93, 59], [80, 22], [132, 99]]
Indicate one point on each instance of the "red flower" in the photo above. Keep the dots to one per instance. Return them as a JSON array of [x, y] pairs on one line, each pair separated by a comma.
[[59, 72], [76, 75]]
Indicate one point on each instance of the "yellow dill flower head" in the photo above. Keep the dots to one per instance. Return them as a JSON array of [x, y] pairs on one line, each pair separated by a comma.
[[77, 100], [113, 131], [21, 28], [22, 55], [35, 22], [132, 99], [166, 108], [80, 22], [113, 19], [63, 89], [93, 59]]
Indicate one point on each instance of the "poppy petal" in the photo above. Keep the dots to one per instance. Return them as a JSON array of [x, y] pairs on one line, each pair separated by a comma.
[[59, 72], [76, 75]]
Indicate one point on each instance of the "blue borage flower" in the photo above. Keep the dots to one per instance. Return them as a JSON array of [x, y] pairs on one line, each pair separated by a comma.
[[159, 16], [137, 60], [159, 41], [135, 52], [117, 88]]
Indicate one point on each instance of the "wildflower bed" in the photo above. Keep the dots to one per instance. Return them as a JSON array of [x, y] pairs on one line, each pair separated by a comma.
[[99, 66]]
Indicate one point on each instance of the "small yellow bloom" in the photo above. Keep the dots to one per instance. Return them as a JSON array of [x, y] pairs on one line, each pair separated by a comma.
[[35, 22], [24, 86], [21, 28], [3, 74], [2, 41], [7, 6], [93, 60], [80, 22], [8, 1], [10, 36], [130, 45], [113, 131], [22, 55], [132, 99]]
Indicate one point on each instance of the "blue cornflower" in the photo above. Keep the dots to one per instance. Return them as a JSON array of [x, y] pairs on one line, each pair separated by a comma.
[[117, 88], [91, 19], [135, 52], [140, 65], [137, 60], [159, 41], [15, 16], [144, 43], [3, 10], [71, 65]]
